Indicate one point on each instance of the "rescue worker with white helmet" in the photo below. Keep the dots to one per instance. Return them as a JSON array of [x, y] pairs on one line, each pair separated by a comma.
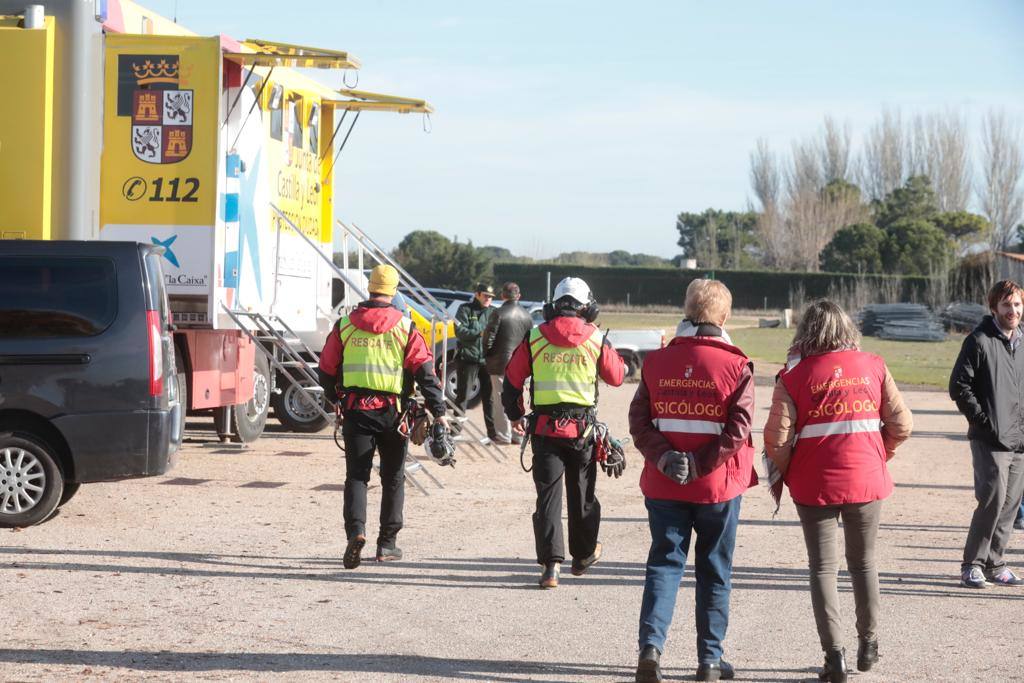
[[368, 366], [565, 356]]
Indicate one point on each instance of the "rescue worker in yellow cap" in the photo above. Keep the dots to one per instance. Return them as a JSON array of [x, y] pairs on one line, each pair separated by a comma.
[[368, 366], [566, 356]]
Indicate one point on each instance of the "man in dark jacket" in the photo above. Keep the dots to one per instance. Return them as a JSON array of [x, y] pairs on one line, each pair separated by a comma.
[[470, 321], [987, 384], [369, 363], [506, 328]]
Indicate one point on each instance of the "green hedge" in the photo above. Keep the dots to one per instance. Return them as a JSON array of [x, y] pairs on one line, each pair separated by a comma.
[[665, 286]]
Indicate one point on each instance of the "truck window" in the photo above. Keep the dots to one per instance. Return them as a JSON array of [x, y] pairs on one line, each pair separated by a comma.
[[56, 297], [276, 114], [314, 129], [295, 109]]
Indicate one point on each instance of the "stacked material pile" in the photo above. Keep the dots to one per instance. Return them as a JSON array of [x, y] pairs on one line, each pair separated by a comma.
[[963, 316], [901, 322]]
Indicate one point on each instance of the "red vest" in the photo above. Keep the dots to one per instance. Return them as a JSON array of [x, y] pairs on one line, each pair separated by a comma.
[[838, 457], [690, 382]]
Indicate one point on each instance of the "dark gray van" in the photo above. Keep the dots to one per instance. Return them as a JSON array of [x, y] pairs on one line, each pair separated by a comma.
[[88, 390]]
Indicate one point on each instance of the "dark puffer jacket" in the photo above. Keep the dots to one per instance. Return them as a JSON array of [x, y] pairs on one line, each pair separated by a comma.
[[987, 384], [506, 328]]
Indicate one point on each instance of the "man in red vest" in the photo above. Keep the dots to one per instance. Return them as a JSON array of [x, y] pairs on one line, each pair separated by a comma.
[[691, 418]]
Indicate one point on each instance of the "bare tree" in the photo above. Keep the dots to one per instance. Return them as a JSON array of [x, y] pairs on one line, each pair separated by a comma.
[[765, 179], [951, 175], [937, 147], [883, 166], [834, 150], [802, 207], [1001, 194], [764, 174]]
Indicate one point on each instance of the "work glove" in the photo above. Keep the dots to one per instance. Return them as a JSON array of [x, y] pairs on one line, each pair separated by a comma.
[[615, 462], [677, 466]]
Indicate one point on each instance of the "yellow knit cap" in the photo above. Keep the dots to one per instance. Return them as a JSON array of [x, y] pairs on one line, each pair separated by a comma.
[[383, 280]]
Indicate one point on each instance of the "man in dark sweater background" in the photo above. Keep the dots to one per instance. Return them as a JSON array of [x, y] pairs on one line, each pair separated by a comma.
[[987, 384]]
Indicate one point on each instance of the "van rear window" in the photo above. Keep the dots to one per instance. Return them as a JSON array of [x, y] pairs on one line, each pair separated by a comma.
[[56, 297]]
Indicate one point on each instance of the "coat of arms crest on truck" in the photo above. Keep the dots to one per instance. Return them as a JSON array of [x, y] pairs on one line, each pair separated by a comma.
[[161, 113]]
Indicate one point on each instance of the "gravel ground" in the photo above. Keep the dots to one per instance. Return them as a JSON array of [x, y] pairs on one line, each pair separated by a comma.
[[230, 567]]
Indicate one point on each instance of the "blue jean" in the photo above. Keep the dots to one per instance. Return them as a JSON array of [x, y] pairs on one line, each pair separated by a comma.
[[671, 525]]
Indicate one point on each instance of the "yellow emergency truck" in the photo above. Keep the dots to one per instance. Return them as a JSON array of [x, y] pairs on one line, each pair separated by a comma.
[[119, 124]]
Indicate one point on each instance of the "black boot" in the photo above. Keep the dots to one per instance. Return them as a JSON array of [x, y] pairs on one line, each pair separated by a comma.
[[648, 667], [834, 670], [716, 670], [353, 552], [388, 553], [867, 654]]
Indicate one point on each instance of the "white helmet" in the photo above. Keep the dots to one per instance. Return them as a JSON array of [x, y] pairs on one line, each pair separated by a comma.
[[573, 287]]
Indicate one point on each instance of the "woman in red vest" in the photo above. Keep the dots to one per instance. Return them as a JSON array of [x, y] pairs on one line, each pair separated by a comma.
[[836, 419], [691, 418]]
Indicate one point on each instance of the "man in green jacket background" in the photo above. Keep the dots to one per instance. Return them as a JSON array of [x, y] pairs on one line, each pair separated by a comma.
[[470, 321]]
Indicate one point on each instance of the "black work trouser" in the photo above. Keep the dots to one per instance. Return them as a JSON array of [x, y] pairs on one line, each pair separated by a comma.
[[554, 460], [363, 435], [465, 374]]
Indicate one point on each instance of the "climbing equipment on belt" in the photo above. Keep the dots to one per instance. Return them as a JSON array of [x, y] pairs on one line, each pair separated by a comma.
[[531, 421], [608, 451], [419, 423], [338, 420]]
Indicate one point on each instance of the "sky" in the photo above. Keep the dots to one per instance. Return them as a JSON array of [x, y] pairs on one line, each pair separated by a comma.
[[588, 125]]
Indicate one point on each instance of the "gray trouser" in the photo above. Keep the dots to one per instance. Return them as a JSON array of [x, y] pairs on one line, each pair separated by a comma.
[[998, 484], [860, 528], [502, 427]]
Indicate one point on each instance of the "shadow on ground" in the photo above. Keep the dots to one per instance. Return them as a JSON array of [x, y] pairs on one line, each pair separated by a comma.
[[394, 665], [437, 572]]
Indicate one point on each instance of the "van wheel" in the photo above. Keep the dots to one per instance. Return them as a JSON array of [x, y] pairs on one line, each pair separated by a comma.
[[70, 489], [296, 410], [251, 417], [31, 483]]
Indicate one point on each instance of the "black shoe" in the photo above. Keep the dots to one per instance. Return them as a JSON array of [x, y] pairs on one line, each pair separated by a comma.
[[716, 670], [580, 567], [549, 577], [353, 552], [834, 670], [388, 553], [648, 667], [867, 654]]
